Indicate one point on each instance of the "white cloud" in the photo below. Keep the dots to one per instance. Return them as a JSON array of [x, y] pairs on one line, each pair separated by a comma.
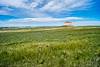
[[49, 19], [4, 12], [14, 3], [54, 6], [35, 3], [59, 22], [32, 21], [67, 5]]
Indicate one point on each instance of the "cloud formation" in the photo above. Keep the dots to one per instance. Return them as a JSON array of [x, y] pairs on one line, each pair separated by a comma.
[[41, 8], [31, 21], [31, 11], [25, 22], [48, 19]]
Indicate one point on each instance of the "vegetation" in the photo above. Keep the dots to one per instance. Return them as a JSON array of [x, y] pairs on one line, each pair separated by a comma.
[[42, 47]]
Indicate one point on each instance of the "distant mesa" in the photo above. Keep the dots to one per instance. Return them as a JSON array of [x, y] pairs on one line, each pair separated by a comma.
[[68, 23]]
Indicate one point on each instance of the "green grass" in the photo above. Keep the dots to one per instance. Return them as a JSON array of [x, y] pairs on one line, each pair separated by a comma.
[[66, 47]]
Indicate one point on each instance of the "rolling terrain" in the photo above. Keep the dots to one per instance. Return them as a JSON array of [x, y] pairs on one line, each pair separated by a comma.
[[50, 47]]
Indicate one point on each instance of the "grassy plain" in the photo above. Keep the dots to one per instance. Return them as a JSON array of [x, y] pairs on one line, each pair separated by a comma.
[[50, 47]]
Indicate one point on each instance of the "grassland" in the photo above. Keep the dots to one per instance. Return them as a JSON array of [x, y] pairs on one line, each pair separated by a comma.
[[50, 47]]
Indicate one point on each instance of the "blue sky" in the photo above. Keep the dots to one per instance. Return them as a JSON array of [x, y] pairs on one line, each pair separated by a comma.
[[49, 12]]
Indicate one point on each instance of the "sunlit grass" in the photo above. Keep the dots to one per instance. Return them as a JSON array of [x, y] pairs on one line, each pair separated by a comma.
[[51, 48]]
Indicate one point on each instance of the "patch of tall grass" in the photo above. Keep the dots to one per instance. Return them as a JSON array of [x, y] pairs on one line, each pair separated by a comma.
[[53, 48]]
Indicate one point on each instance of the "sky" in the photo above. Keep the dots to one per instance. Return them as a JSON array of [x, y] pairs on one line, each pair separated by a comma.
[[49, 12]]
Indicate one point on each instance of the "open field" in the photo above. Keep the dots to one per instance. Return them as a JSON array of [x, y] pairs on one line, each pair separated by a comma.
[[50, 47]]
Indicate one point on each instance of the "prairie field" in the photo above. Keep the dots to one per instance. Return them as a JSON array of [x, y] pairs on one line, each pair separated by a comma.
[[50, 47]]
